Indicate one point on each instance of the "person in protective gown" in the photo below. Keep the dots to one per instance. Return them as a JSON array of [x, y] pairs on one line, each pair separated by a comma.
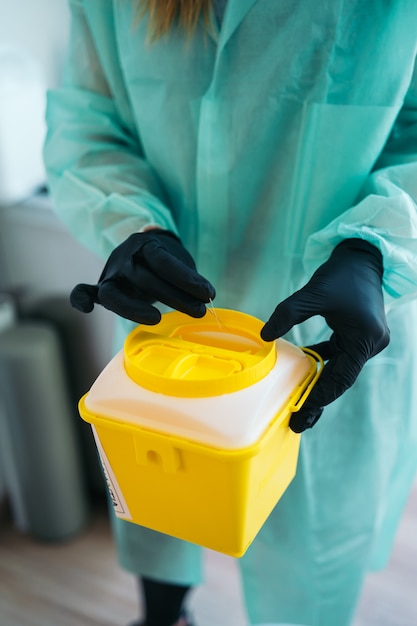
[[264, 154]]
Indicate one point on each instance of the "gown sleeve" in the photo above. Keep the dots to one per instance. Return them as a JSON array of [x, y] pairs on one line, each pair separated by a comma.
[[386, 211], [102, 187]]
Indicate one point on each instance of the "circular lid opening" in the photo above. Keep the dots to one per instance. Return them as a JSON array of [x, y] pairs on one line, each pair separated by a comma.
[[187, 357]]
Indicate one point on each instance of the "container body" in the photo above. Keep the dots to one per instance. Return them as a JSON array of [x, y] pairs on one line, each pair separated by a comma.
[[215, 498], [191, 422]]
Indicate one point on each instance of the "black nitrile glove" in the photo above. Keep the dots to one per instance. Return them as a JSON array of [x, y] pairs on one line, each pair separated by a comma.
[[347, 292], [146, 268]]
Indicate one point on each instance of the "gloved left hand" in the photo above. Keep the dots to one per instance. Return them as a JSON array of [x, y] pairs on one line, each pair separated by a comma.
[[147, 267], [347, 291]]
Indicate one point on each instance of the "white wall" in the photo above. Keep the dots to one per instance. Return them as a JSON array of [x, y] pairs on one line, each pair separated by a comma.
[[33, 43], [40, 29], [36, 252]]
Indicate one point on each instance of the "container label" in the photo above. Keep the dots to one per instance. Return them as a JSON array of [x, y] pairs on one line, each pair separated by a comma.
[[119, 503]]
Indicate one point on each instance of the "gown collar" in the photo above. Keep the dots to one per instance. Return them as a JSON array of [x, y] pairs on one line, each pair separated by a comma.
[[235, 12]]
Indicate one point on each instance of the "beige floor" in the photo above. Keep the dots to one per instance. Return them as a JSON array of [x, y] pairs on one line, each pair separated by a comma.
[[79, 583]]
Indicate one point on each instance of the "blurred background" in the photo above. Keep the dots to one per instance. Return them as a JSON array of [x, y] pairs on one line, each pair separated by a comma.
[[39, 260], [57, 561]]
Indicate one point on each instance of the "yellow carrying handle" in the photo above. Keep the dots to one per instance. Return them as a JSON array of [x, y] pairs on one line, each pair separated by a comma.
[[310, 381]]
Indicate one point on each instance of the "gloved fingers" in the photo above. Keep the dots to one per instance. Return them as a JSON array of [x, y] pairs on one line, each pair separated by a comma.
[[83, 297], [305, 418], [295, 309], [174, 271], [134, 302], [173, 297], [326, 349], [116, 296], [338, 375]]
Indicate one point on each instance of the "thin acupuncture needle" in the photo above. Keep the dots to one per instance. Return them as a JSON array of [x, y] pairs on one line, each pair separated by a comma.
[[212, 310]]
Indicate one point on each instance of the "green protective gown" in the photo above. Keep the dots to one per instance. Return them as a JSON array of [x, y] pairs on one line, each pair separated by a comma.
[[264, 144]]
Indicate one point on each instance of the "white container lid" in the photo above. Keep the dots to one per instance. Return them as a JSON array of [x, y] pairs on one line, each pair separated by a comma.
[[233, 420]]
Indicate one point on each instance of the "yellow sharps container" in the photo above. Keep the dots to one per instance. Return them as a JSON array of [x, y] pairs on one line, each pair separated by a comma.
[[191, 424]]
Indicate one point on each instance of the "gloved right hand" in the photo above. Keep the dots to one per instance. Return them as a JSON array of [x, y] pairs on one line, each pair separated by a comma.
[[147, 267], [347, 292]]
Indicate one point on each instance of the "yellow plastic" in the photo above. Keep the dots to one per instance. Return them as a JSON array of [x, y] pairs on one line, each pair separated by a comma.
[[205, 357], [217, 498]]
